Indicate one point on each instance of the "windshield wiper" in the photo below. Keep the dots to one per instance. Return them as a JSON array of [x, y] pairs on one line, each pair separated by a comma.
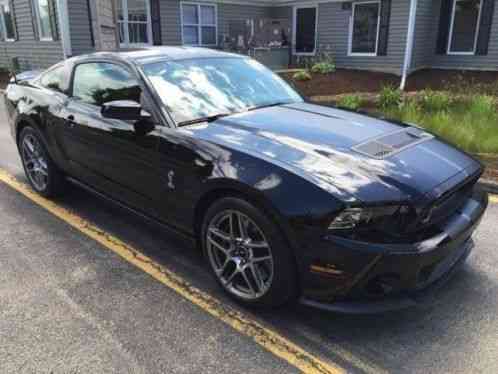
[[212, 118], [278, 103]]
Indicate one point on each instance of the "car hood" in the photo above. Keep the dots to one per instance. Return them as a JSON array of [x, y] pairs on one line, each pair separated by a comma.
[[331, 147]]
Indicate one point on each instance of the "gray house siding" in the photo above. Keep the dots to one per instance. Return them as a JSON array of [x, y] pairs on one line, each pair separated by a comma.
[[488, 62], [424, 39], [171, 18], [32, 53], [333, 35], [80, 27], [235, 12], [171, 22]]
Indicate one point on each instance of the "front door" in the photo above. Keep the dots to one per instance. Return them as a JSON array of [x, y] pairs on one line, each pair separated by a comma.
[[305, 21], [107, 153]]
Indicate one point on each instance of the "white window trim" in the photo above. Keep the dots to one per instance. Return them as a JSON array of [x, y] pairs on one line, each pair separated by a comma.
[[4, 25], [126, 43], [199, 23], [38, 23], [351, 28], [452, 24], [294, 29]]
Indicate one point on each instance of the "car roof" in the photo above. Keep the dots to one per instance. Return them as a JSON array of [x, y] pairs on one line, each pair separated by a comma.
[[159, 53]]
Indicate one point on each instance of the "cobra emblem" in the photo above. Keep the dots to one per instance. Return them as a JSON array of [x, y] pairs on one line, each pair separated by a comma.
[[171, 175]]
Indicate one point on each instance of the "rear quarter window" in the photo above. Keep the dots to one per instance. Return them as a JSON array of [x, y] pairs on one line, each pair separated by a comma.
[[54, 79]]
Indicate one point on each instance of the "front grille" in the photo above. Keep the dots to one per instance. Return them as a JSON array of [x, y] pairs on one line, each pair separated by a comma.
[[447, 205]]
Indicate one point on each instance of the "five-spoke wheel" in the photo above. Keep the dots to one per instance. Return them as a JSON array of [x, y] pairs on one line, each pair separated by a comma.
[[240, 254], [248, 254], [34, 162], [42, 174]]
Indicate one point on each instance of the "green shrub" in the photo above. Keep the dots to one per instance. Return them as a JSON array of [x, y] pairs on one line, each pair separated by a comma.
[[435, 101], [323, 68], [470, 124], [390, 97], [302, 75], [483, 105], [353, 102]]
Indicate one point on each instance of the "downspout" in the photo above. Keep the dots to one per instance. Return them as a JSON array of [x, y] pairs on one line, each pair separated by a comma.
[[409, 42], [64, 28]]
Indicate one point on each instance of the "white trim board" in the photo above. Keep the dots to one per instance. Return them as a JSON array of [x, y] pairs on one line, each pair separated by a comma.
[[351, 28], [199, 23], [295, 8], [452, 24]]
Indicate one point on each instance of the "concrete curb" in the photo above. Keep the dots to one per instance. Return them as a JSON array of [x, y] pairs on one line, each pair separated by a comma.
[[489, 186]]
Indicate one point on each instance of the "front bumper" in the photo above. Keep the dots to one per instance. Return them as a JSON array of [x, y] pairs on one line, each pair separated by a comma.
[[358, 277]]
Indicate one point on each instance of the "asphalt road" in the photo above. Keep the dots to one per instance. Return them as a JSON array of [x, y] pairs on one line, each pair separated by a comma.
[[69, 305]]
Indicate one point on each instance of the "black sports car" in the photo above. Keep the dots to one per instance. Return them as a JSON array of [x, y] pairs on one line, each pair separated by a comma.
[[287, 199]]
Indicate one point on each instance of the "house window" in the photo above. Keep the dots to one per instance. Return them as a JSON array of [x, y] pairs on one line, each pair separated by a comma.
[[199, 24], [7, 28], [464, 26], [305, 24], [364, 28], [43, 19], [134, 22]]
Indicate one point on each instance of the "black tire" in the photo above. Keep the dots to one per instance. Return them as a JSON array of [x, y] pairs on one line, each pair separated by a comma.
[[283, 288], [55, 182]]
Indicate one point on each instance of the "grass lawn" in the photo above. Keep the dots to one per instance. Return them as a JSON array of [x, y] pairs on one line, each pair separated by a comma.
[[472, 125], [469, 122]]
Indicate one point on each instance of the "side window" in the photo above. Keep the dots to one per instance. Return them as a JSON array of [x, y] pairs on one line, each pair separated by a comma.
[[97, 83], [54, 79]]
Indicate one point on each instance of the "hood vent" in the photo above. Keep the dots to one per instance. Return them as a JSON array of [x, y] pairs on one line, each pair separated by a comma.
[[388, 145]]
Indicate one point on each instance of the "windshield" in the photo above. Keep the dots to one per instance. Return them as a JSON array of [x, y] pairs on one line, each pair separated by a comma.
[[200, 88]]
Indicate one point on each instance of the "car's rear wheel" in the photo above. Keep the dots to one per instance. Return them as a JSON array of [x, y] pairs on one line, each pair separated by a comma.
[[248, 254], [42, 174]]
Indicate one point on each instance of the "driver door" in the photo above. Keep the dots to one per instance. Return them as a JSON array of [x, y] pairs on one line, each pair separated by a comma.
[[108, 154]]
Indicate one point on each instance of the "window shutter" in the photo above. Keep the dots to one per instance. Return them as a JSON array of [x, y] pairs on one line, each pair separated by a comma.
[[487, 11], [14, 20], [385, 16], [155, 15], [444, 26], [33, 19], [52, 11]]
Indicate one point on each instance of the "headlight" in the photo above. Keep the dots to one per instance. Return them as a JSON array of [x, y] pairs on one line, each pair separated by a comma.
[[354, 217], [350, 218]]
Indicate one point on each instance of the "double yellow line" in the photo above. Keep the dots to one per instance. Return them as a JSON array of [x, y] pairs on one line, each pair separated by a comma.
[[265, 337]]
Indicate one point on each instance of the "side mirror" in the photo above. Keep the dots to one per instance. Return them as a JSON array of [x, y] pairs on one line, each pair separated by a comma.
[[126, 110]]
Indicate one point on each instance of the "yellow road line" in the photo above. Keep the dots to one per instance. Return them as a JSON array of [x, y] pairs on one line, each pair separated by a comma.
[[265, 337], [493, 199]]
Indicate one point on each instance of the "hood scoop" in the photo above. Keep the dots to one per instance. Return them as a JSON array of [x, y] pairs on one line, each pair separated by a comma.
[[388, 145]]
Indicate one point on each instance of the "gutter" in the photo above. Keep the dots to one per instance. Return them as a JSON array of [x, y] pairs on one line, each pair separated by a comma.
[[64, 28], [409, 43]]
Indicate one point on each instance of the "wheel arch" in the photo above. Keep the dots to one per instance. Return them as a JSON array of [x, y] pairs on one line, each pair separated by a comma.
[[236, 189]]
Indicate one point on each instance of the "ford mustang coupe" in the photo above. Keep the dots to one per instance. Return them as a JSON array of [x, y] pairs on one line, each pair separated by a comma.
[[287, 199]]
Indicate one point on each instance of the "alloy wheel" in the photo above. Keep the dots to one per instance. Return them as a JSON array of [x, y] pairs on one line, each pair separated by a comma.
[[240, 255], [35, 162]]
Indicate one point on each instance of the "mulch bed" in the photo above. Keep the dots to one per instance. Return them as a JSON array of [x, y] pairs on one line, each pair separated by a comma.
[[343, 81], [437, 79], [346, 81]]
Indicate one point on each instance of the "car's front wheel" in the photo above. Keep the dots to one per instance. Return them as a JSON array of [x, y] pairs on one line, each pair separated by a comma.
[[248, 254], [40, 170]]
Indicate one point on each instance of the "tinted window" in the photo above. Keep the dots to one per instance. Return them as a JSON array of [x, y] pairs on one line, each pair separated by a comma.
[[365, 28], [99, 83], [54, 79], [465, 25]]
